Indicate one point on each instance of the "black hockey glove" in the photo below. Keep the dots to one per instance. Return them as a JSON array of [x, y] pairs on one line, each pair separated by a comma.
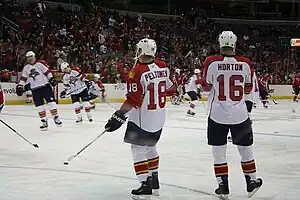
[[52, 81], [63, 94], [19, 90], [27, 87], [115, 122]]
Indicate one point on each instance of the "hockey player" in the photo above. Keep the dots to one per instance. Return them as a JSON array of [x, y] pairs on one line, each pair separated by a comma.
[[227, 78], [178, 95], [74, 84], [40, 78], [147, 85], [253, 97], [1, 99], [96, 90], [296, 87], [263, 84], [191, 88]]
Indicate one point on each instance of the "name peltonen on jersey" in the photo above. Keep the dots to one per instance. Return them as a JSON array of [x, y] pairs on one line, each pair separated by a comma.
[[236, 67], [155, 74]]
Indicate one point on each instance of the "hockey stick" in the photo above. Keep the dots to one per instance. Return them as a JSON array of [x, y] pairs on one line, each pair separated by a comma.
[[84, 148], [273, 99], [21, 136]]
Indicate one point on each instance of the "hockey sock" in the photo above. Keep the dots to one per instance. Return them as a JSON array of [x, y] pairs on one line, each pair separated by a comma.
[[153, 159], [220, 163], [141, 165], [87, 106], [247, 162], [53, 109], [192, 106], [42, 112], [77, 108]]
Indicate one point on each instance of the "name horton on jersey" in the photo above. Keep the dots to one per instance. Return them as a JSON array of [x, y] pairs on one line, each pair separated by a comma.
[[116, 93]]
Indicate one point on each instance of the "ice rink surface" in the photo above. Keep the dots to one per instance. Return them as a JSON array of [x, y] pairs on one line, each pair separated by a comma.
[[105, 172]]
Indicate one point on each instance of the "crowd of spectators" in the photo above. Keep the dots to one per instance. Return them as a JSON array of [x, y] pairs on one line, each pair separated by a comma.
[[103, 41]]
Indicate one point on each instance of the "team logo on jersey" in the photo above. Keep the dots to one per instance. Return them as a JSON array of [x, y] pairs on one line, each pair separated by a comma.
[[131, 75], [72, 80], [33, 73]]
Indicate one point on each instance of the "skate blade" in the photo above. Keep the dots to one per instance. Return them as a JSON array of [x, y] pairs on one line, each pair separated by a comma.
[[224, 197], [251, 194], [141, 197], [155, 192], [78, 123], [59, 125], [44, 129], [189, 115]]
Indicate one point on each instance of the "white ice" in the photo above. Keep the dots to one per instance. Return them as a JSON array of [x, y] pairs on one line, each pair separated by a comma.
[[104, 171]]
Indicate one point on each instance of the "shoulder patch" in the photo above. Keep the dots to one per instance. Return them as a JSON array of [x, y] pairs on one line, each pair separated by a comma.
[[131, 75]]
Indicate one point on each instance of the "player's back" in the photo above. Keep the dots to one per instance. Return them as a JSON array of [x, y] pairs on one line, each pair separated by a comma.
[[153, 82], [229, 77]]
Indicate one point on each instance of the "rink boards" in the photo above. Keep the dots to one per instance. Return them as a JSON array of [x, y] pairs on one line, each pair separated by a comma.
[[116, 93]]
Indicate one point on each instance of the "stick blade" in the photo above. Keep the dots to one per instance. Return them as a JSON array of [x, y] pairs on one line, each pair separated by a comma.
[[36, 145], [66, 163]]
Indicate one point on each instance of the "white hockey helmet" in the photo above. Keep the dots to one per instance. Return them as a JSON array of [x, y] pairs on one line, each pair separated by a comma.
[[146, 47], [197, 71], [227, 39], [177, 71], [96, 76], [30, 54], [64, 67]]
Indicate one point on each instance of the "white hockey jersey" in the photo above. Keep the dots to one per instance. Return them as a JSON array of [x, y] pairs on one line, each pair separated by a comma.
[[192, 83], [37, 74], [73, 81], [146, 90], [228, 79], [97, 88], [254, 95]]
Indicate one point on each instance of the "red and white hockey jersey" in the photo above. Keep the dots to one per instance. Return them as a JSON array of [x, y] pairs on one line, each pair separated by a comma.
[[73, 82], [146, 90], [37, 74], [228, 79], [97, 88]]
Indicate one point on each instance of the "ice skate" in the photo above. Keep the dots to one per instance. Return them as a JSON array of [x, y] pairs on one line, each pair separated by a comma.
[[79, 121], [57, 121], [223, 191], [144, 192], [90, 117], [155, 184], [44, 126], [253, 185], [190, 113]]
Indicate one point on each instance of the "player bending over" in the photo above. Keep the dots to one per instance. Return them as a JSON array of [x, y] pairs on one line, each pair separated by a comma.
[[74, 84], [296, 87], [147, 85], [40, 78], [227, 78], [96, 89], [178, 96], [191, 88], [264, 90]]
